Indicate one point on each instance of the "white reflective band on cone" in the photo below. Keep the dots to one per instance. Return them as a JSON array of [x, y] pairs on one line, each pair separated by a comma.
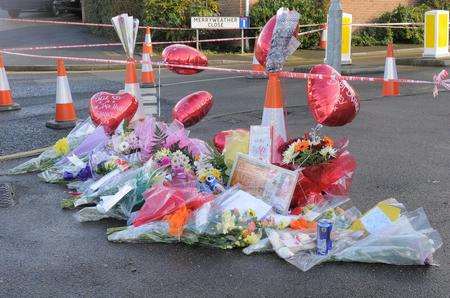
[[147, 39], [275, 117], [255, 61], [63, 94], [135, 90], [390, 69], [4, 84], [146, 67]]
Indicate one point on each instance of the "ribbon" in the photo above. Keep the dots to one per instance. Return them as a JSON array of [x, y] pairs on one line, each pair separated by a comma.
[[441, 80]]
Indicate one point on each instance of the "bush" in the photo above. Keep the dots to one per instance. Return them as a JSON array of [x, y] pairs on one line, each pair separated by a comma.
[[311, 11], [101, 11], [177, 13], [402, 14], [167, 13], [438, 4]]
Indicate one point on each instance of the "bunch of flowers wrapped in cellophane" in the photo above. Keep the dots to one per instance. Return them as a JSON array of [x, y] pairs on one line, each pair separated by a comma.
[[56, 152], [326, 167], [233, 219]]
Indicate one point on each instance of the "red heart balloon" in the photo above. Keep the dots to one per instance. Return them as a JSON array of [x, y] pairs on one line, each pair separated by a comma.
[[264, 41], [221, 137], [333, 102], [192, 108], [110, 109], [184, 55]]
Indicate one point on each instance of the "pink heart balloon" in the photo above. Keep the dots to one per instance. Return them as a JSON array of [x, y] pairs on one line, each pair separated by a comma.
[[110, 109], [184, 55], [332, 102], [192, 108]]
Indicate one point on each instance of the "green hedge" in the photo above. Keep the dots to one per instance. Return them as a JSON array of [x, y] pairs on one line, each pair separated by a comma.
[[381, 36], [311, 12], [158, 13], [101, 11], [402, 14]]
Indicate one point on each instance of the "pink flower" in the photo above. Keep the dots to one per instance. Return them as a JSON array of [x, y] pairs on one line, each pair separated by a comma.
[[165, 161]]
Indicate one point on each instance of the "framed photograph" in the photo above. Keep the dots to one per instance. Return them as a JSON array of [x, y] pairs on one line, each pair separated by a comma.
[[272, 184], [260, 146]]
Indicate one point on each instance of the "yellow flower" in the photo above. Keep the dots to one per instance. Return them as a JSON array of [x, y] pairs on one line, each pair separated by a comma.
[[62, 147], [216, 173], [202, 177], [252, 238], [251, 213]]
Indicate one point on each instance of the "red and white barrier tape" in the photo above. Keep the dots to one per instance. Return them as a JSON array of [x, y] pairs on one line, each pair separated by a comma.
[[100, 45], [440, 79], [34, 21]]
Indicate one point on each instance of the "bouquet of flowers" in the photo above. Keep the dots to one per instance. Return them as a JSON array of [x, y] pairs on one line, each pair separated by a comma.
[[325, 167], [61, 148]]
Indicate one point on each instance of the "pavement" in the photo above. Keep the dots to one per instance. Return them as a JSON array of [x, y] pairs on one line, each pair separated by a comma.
[[401, 145]]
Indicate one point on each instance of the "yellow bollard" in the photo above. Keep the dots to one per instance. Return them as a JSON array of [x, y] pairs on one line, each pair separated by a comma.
[[346, 47], [436, 34]]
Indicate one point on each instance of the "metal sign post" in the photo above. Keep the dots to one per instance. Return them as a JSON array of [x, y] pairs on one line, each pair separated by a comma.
[[334, 35]]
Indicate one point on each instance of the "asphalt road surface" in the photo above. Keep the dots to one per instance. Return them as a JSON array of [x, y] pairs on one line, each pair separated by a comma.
[[401, 145]]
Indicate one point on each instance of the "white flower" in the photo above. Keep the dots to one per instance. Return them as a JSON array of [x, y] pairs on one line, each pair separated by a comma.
[[328, 151], [202, 165], [124, 147], [227, 222], [161, 153], [180, 159], [289, 154]]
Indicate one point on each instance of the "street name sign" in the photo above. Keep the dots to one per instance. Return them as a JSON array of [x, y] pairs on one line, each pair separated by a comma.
[[220, 22]]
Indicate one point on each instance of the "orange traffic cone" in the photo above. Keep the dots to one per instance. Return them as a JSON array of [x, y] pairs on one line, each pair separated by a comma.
[[273, 114], [390, 73], [147, 75], [323, 37], [132, 87], [65, 116], [6, 100]]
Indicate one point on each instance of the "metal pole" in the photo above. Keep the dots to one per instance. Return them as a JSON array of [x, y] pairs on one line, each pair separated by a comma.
[[242, 41], [197, 39], [159, 90], [334, 35]]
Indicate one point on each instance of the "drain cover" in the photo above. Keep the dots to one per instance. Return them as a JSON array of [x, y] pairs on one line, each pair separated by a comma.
[[6, 195]]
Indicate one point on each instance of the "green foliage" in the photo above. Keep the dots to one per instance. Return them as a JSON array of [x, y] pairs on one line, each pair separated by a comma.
[[101, 11], [177, 13], [402, 14], [311, 11], [167, 13], [438, 4]]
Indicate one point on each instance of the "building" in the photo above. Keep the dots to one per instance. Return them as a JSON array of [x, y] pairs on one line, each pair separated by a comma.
[[362, 10]]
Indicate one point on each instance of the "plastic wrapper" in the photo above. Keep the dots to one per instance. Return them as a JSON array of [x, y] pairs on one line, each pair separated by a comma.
[[283, 43], [51, 156], [157, 231], [298, 247], [408, 241], [138, 181], [333, 178], [236, 142]]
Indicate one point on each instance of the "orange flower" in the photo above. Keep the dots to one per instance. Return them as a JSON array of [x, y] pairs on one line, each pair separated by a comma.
[[301, 145], [303, 224], [328, 141]]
